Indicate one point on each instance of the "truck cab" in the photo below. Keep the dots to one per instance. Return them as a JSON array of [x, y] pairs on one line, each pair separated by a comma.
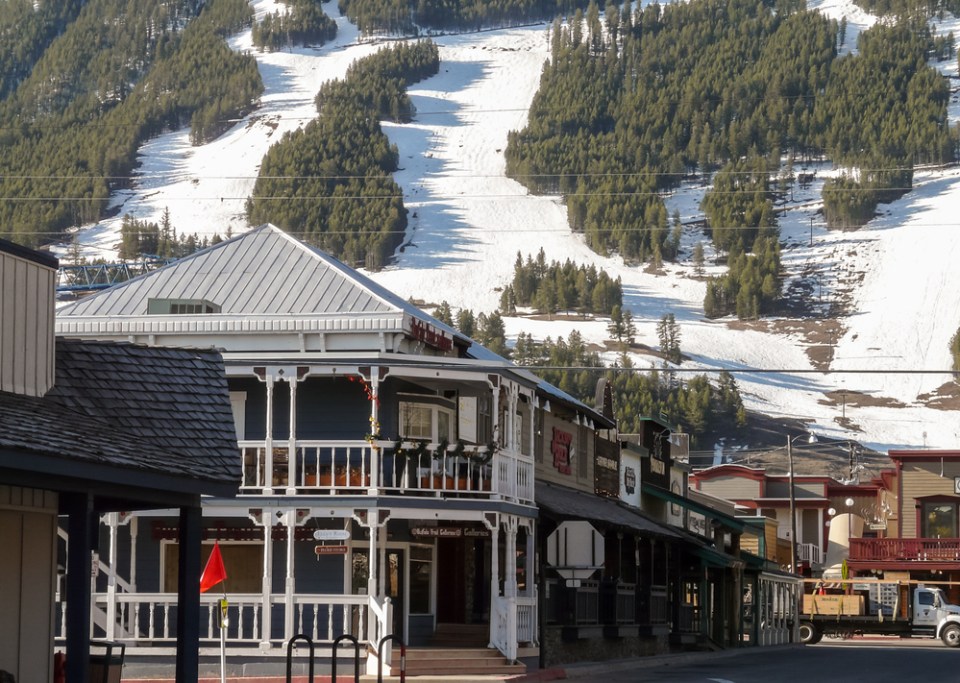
[[930, 609], [946, 616]]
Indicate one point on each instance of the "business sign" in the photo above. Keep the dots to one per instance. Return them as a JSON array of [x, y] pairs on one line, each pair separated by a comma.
[[449, 532], [331, 535], [606, 470], [330, 550], [560, 448], [656, 468]]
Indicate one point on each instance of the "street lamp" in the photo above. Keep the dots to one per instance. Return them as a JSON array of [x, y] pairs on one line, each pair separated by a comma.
[[811, 438]]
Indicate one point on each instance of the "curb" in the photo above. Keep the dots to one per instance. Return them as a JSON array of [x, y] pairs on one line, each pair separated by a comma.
[[595, 670]]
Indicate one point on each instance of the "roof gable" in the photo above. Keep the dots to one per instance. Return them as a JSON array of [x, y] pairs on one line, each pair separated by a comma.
[[261, 272]]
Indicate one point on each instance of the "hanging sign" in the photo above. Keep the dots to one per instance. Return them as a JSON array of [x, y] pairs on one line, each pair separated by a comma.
[[331, 535], [330, 550]]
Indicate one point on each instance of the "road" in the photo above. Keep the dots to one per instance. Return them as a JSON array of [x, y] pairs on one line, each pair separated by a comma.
[[886, 661]]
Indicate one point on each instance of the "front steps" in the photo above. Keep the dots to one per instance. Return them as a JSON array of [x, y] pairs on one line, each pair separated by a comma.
[[455, 661]]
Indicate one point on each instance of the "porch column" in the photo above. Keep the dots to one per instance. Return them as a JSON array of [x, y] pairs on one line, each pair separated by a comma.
[[292, 439], [188, 597], [375, 464], [134, 529], [266, 586], [492, 522], [268, 440], [510, 552], [529, 567], [112, 577], [79, 508], [289, 586]]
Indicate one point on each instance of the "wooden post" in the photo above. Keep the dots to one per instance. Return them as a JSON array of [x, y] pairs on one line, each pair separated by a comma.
[[79, 508], [188, 596]]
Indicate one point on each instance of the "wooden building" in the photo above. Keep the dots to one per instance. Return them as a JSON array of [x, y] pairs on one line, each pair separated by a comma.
[[87, 429]]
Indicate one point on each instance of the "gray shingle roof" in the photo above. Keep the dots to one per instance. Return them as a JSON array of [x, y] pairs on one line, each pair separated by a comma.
[[139, 409]]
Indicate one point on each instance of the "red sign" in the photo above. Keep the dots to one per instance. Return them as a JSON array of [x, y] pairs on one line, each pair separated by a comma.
[[330, 549], [560, 447], [430, 336]]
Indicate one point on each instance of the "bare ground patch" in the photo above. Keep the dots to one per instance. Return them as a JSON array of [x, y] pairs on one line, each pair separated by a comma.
[[944, 397], [819, 334]]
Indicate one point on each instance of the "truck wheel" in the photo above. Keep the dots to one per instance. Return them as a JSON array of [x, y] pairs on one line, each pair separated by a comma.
[[810, 634], [950, 635]]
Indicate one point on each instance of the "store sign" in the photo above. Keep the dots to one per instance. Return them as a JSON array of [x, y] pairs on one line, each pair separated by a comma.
[[630, 480], [331, 535], [430, 336], [330, 550], [448, 532], [560, 447]]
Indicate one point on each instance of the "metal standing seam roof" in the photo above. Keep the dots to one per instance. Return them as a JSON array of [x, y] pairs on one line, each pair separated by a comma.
[[267, 272], [263, 272]]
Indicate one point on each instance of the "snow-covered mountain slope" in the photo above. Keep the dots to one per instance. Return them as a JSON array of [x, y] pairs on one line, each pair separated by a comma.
[[897, 278]]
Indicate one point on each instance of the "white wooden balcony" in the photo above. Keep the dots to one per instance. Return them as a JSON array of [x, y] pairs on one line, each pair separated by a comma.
[[357, 467]]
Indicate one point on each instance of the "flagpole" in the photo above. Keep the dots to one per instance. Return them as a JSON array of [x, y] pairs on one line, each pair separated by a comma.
[[214, 573], [224, 623]]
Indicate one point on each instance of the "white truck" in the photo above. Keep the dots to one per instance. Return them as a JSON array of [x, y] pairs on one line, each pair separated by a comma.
[[854, 607]]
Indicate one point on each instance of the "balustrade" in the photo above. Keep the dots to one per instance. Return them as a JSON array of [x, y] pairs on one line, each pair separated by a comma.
[[332, 468], [912, 549]]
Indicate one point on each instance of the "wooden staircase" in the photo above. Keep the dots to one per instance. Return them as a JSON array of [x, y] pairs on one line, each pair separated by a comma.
[[457, 650]]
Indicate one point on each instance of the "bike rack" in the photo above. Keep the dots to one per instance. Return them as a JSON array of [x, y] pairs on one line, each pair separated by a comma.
[[306, 638], [356, 657], [403, 657]]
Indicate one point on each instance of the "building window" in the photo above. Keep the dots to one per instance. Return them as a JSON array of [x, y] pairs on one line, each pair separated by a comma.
[[181, 307], [426, 421], [940, 520]]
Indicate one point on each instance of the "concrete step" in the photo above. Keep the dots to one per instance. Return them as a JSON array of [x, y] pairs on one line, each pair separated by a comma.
[[456, 662]]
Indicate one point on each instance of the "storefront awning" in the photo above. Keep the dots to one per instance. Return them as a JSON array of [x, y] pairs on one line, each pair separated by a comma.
[[671, 497], [563, 503]]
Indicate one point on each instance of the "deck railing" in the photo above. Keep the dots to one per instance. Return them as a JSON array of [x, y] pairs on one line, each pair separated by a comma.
[[906, 549], [151, 618], [353, 467]]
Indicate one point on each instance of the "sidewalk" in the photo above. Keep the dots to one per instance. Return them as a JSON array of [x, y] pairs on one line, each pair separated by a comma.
[[596, 670], [589, 670]]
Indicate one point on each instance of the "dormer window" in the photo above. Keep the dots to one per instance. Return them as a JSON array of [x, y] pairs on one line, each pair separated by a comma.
[[181, 307]]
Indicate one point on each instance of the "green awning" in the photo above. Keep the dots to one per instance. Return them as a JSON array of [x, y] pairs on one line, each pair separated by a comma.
[[671, 497]]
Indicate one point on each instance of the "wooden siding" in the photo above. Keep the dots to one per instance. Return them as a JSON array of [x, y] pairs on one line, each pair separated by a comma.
[[580, 476], [28, 527], [922, 479], [731, 488], [26, 326]]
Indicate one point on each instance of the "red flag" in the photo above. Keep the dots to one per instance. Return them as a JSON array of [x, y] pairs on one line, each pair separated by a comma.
[[214, 572]]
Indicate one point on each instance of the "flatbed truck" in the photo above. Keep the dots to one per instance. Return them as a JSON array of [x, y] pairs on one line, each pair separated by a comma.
[[858, 607]]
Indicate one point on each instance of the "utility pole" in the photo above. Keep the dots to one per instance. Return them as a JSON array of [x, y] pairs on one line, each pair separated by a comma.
[[793, 510]]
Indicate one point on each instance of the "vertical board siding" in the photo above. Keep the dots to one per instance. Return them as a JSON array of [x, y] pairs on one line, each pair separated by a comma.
[[26, 326], [922, 479], [27, 572]]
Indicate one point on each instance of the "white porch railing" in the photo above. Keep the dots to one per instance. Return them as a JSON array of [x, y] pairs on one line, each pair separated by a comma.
[[514, 620], [345, 467], [810, 553], [151, 618]]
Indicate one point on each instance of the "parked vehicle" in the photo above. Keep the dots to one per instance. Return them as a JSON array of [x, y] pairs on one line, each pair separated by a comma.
[[875, 607]]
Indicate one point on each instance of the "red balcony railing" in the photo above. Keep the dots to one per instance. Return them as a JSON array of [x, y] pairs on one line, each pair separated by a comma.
[[904, 549]]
